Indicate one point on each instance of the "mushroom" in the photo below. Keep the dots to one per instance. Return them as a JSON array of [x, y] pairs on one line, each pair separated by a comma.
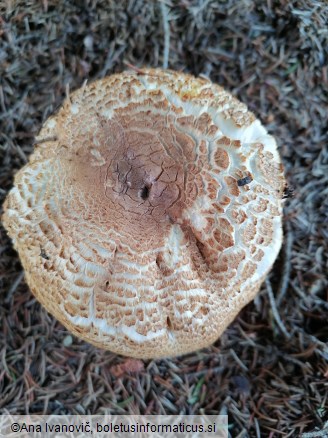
[[149, 213]]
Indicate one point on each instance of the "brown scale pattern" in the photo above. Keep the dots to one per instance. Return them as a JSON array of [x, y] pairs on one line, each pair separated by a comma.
[[129, 220]]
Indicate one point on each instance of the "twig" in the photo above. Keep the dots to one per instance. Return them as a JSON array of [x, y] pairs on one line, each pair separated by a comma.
[[240, 363], [14, 286], [166, 34], [275, 310], [133, 67], [287, 265], [44, 140], [67, 93], [319, 433]]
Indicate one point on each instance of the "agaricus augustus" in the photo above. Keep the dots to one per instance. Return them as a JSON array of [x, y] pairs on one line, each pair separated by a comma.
[[149, 213]]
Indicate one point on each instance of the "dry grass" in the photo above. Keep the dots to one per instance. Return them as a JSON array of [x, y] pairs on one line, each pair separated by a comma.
[[269, 370]]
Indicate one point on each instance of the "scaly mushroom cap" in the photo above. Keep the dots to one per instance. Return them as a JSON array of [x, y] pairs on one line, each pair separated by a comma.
[[149, 213]]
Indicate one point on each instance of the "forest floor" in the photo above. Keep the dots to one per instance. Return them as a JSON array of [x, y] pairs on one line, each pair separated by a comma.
[[268, 371]]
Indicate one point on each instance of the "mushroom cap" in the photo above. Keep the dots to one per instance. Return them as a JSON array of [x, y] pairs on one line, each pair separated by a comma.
[[149, 213]]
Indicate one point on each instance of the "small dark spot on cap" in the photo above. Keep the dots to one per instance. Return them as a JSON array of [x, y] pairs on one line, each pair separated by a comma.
[[144, 194], [43, 254], [169, 322], [243, 181]]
